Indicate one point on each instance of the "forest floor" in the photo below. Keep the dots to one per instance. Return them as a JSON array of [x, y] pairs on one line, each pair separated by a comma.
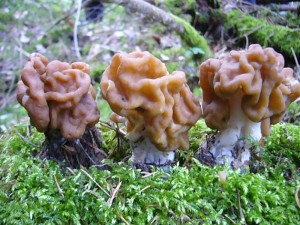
[[41, 192]]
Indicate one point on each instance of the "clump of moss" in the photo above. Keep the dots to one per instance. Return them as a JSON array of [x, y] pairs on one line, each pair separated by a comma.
[[281, 38], [97, 71], [35, 191], [193, 38], [282, 147]]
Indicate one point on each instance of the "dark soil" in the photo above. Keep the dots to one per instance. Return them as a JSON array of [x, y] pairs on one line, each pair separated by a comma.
[[76, 153]]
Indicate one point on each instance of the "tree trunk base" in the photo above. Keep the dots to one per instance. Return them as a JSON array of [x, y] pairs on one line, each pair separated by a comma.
[[76, 153]]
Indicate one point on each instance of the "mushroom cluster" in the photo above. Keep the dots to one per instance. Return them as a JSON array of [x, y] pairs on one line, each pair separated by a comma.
[[244, 92], [58, 96], [159, 107]]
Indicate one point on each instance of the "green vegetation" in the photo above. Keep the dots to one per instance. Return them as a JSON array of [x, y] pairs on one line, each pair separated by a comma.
[[177, 7], [269, 35], [283, 146], [193, 38], [40, 192]]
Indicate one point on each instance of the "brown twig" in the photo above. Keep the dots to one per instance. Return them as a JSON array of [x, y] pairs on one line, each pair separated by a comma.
[[295, 57], [109, 126], [231, 220], [92, 179], [26, 140], [70, 170], [145, 188], [147, 174], [113, 194], [58, 187], [123, 219], [242, 217], [151, 12]]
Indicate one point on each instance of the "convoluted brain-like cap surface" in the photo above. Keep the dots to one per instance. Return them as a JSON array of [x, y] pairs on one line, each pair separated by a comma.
[[156, 104], [258, 75], [63, 94], [30, 91]]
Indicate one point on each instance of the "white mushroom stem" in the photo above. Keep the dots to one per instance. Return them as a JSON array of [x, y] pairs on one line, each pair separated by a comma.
[[239, 126], [145, 151]]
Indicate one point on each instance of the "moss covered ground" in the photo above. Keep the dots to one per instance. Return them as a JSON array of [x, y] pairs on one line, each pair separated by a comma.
[[40, 192], [281, 38]]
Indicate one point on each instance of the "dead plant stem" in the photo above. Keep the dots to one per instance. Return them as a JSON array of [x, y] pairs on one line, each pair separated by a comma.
[[114, 194], [58, 187], [242, 217], [76, 29], [92, 179]]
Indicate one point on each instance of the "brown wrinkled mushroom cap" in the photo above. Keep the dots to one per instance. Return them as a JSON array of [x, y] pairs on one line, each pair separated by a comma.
[[156, 104], [258, 74], [30, 91], [117, 118], [58, 96]]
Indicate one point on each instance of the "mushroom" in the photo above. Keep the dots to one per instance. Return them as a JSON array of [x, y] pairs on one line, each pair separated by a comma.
[[244, 92], [59, 98], [159, 107]]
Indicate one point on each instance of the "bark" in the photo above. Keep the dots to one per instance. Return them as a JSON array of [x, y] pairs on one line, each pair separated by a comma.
[[151, 12]]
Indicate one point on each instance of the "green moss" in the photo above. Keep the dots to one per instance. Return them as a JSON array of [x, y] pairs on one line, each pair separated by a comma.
[[193, 195], [283, 145], [178, 6], [97, 71], [193, 38], [293, 19], [282, 38], [197, 134]]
